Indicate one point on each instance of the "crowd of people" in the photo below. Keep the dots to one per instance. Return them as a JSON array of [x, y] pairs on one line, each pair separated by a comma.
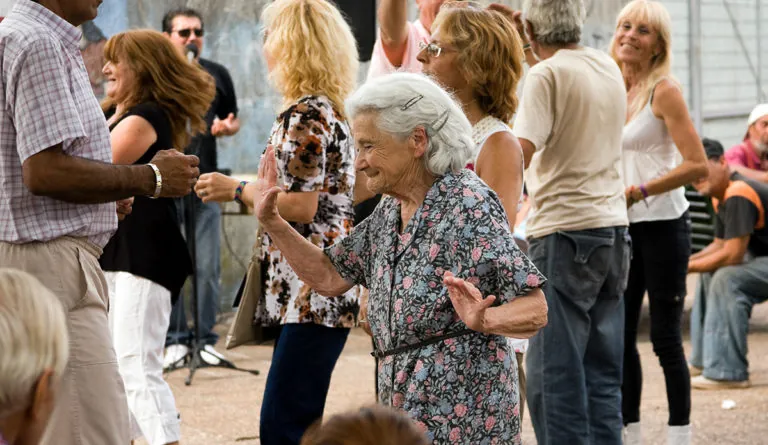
[[497, 249]]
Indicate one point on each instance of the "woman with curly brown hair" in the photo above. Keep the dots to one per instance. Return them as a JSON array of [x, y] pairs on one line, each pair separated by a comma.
[[153, 95], [370, 425], [477, 54]]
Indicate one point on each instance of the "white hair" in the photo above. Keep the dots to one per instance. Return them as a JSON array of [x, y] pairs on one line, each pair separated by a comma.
[[404, 101], [555, 22], [33, 337]]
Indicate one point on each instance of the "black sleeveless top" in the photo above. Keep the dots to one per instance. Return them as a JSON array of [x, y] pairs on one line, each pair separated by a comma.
[[148, 242]]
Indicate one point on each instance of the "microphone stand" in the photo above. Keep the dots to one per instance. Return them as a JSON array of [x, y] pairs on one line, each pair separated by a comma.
[[194, 360]]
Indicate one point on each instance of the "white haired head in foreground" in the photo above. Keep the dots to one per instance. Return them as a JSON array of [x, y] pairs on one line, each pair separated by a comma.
[[412, 107], [34, 348]]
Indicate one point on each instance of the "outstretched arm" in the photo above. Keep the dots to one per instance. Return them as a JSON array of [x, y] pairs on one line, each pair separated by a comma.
[[393, 29], [308, 261]]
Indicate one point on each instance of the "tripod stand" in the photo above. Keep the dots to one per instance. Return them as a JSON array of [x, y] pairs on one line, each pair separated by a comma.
[[194, 360]]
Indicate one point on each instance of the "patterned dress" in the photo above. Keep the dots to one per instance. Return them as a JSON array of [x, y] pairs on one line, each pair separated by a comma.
[[315, 153], [464, 389]]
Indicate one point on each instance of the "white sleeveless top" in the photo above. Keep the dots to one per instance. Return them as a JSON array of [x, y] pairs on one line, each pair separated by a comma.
[[481, 131], [649, 153]]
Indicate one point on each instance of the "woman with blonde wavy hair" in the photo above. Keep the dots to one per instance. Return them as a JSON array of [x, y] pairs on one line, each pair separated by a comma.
[[153, 95], [312, 61], [661, 154], [477, 54]]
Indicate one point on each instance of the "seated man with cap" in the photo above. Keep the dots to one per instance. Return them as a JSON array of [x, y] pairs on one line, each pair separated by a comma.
[[734, 275], [750, 157]]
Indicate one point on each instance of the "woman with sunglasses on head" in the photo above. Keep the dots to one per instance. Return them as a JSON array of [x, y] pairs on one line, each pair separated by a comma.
[[153, 94], [661, 154], [477, 55], [312, 61]]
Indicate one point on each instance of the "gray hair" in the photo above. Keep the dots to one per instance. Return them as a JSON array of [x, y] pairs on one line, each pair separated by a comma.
[[33, 338], [404, 101], [556, 22]]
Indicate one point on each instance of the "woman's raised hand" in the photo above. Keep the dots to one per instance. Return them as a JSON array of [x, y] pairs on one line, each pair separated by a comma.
[[468, 301], [265, 196], [215, 187]]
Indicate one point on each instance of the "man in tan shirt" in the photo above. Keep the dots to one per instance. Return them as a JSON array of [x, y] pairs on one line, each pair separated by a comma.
[[570, 123]]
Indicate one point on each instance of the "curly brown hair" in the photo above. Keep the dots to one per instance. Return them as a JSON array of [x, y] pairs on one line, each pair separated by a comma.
[[164, 76], [374, 425], [490, 55]]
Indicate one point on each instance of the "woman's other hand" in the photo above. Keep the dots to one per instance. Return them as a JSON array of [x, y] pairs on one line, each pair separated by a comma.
[[215, 187], [468, 302], [266, 189]]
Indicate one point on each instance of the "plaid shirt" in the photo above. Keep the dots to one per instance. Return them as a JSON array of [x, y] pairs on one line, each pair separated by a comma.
[[46, 100]]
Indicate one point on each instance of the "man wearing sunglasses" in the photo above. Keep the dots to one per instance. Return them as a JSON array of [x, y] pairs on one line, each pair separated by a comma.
[[184, 27]]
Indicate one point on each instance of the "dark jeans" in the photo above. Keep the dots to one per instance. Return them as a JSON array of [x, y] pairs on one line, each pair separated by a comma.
[[574, 363], [298, 380], [208, 246], [660, 252]]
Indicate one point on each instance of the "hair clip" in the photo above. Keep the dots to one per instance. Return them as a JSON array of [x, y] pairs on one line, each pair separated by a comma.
[[411, 102], [444, 117]]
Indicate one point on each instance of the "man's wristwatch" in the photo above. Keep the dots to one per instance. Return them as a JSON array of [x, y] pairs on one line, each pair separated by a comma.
[[158, 181]]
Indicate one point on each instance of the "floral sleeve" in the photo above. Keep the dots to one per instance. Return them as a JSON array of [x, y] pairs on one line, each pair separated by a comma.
[[301, 146], [490, 256], [352, 255]]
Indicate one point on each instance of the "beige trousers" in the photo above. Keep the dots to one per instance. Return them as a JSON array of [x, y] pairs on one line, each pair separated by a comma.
[[91, 408]]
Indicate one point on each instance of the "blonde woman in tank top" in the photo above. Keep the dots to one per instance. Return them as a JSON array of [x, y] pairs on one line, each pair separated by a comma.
[[477, 55], [661, 154]]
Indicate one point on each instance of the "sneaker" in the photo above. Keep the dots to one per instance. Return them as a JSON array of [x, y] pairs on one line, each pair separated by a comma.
[[695, 371], [211, 356], [702, 382], [175, 356]]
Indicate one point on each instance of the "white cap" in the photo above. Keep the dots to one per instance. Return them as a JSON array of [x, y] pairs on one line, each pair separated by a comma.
[[759, 111]]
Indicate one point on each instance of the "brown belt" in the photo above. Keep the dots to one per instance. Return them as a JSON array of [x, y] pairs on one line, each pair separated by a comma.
[[405, 348]]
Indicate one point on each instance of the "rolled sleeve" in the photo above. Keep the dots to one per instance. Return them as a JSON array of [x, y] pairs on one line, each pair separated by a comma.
[[351, 256], [43, 109], [535, 116]]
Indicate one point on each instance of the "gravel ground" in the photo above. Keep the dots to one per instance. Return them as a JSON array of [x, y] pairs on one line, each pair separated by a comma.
[[222, 406]]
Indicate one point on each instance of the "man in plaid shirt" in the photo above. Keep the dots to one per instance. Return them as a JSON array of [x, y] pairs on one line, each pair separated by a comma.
[[57, 201]]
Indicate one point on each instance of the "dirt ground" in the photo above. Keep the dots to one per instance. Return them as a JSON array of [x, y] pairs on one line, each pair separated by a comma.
[[222, 406]]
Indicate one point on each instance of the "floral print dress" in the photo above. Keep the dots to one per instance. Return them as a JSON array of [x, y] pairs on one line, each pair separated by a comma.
[[463, 389], [315, 153]]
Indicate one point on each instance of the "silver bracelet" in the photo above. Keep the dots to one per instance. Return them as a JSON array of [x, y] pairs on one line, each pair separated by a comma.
[[158, 181]]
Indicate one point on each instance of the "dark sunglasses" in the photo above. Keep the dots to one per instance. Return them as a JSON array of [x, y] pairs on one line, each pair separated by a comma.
[[185, 33]]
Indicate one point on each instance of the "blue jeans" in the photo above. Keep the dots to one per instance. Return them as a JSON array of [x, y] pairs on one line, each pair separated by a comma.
[[298, 380], [720, 318], [208, 246], [574, 365]]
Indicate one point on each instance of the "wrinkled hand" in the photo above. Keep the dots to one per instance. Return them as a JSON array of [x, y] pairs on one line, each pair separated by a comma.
[[179, 172], [515, 17], [224, 127], [124, 208], [215, 187], [468, 301], [364, 322], [265, 196]]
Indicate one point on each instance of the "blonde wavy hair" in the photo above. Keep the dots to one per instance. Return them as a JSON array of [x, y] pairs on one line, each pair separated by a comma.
[[314, 50], [164, 76], [657, 17], [33, 338], [490, 55]]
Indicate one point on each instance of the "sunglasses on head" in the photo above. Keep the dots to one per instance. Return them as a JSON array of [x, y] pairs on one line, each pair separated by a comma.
[[185, 33]]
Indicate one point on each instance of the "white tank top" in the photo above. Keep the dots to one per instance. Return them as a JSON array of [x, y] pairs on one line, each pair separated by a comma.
[[649, 153], [481, 131]]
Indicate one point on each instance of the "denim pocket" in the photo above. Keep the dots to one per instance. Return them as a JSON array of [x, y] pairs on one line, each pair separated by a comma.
[[581, 262]]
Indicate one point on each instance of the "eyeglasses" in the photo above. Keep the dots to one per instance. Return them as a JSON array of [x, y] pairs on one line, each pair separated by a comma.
[[185, 33], [432, 49]]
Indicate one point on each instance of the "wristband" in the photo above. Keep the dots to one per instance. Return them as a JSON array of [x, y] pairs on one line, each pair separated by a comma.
[[158, 181], [239, 191], [644, 191], [527, 46]]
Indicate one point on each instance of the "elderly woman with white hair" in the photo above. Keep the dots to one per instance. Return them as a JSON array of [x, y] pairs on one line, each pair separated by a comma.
[[34, 347], [447, 281]]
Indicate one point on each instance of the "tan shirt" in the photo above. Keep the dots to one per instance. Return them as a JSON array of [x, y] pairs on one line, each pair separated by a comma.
[[573, 110]]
